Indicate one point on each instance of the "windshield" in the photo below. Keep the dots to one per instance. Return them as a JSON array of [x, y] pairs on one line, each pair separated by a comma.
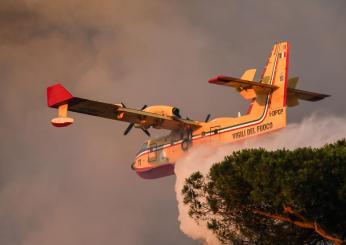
[[143, 148]]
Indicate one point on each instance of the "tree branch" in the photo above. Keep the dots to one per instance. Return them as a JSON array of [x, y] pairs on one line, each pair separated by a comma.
[[303, 224]]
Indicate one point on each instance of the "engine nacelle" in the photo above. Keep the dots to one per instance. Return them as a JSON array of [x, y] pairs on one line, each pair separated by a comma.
[[164, 110]]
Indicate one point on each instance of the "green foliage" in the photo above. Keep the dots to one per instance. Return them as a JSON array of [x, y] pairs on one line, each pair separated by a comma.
[[310, 181]]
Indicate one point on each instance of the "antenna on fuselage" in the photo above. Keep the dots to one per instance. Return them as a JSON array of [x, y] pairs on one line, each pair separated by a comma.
[[207, 118]]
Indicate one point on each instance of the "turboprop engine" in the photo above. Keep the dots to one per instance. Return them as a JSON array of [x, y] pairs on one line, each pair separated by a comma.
[[164, 110], [160, 109]]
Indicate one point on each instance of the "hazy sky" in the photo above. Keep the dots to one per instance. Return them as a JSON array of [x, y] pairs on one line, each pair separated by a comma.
[[75, 185]]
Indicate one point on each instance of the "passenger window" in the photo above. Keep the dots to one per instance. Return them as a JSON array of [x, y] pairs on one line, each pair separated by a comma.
[[139, 162]]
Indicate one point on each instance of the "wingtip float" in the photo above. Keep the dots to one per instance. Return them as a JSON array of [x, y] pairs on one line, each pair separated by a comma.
[[58, 97], [269, 99]]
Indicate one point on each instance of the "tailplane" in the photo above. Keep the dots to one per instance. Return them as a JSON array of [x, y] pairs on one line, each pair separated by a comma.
[[294, 95], [274, 82], [274, 92]]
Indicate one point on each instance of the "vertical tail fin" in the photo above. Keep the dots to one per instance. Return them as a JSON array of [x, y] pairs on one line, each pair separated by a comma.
[[272, 104], [276, 73]]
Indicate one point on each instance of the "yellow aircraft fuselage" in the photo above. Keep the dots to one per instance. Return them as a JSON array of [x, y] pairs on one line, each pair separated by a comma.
[[267, 112]]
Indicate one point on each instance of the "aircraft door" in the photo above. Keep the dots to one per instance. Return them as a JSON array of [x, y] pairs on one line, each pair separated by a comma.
[[152, 156], [187, 140]]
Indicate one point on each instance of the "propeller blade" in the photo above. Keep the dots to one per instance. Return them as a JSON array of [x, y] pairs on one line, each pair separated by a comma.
[[176, 112], [128, 129], [146, 132], [207, 118]]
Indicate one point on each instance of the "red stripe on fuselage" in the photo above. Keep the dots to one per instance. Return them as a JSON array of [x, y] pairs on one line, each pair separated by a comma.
[[286, 71]]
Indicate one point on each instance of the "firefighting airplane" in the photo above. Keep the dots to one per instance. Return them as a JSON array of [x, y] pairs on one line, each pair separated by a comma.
[[269, 99]]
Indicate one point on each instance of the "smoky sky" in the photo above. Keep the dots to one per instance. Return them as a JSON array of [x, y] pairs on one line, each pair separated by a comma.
[[75, 185]]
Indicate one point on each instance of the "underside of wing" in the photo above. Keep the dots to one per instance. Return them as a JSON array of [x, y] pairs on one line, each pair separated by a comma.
[[93, 108], [306, 95], [242, 84]]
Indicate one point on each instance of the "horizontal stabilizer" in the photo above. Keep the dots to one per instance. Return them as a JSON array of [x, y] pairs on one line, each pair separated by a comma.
[[242, 84], [306, 95]]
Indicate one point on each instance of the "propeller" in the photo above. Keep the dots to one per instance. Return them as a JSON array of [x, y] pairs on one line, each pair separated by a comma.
[[129, 128], [146, 131], [207, 118], [176, 112]]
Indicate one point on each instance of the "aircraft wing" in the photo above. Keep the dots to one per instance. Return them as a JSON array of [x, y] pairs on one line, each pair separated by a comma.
[[57, 96], [242, 84], [306, 95]]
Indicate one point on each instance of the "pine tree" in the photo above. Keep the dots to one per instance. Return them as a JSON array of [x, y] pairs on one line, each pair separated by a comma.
[[273, 197]]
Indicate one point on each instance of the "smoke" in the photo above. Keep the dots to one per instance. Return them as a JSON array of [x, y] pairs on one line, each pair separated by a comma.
[[314, 131], [74, 185]]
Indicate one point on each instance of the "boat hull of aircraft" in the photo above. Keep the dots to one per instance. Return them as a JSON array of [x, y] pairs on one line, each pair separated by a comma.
[[162, 158], [163, 170]]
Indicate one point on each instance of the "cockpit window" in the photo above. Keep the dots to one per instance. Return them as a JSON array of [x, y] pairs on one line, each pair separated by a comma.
[[143, 148]]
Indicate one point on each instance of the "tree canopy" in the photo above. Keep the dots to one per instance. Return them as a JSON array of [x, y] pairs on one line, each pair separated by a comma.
[[256, 196]]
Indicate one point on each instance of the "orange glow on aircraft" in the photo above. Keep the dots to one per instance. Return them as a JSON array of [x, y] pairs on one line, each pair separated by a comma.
[[269, 99]]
